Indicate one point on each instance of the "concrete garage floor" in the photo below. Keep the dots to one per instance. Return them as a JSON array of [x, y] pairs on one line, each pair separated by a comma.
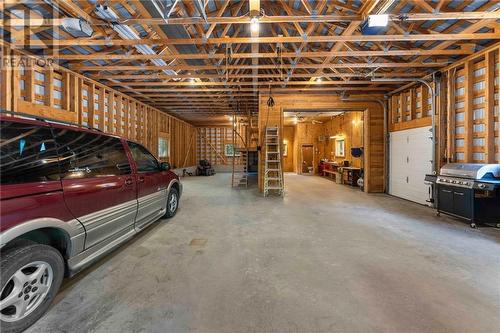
[[326, 258]]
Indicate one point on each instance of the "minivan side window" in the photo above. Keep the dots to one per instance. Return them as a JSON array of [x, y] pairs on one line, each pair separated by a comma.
[[88, 155], [145, 161], [28, 153]]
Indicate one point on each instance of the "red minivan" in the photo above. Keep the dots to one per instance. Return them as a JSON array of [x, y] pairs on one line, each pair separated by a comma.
[[68, 195]]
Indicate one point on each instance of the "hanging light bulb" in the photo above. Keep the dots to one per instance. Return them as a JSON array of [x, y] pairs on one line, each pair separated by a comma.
[[254, 24]]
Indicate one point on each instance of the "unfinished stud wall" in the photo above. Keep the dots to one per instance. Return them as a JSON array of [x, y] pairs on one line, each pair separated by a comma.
[[473, 110], [211, 143], [467, 110], [58, 93], [410, 108]]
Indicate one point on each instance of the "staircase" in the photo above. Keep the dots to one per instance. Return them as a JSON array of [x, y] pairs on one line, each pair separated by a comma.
[[273, 175]]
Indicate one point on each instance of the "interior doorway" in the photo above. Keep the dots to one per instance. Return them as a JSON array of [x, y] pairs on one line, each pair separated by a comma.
[[326, 143], [307, 160]]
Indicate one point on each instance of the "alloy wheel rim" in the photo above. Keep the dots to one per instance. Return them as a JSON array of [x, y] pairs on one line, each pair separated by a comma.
[[173, 202], [25, 290]]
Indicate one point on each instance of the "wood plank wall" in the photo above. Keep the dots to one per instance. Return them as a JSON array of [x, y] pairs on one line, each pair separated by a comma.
[[58, 93], [373, 119], [350, 125], [467, 110]]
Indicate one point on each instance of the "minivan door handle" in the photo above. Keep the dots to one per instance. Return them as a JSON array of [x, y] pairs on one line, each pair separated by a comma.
[[128, 181], [141, 179]]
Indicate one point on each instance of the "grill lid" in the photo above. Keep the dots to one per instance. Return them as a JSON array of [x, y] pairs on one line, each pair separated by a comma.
[[470, 170]]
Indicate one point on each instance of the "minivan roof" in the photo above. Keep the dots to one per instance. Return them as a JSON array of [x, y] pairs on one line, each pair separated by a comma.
[[43, 121]]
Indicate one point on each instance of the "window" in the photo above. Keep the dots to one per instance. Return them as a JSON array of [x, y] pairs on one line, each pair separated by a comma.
[[163, 148], [145, 161], [478, 100], [478, 128], [478, 142], [478, 156], [479, 72], [88, 155], [478, 86], [28, 154], [459, 156], [340, 147], [478, 114]]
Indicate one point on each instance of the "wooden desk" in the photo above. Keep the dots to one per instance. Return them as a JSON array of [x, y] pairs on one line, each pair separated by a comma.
[[333, 168]]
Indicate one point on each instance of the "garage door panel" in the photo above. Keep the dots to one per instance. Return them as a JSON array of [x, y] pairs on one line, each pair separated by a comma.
[[411, 152]]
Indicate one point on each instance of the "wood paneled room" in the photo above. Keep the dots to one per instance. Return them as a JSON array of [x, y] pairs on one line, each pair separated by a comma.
[[249, 166]]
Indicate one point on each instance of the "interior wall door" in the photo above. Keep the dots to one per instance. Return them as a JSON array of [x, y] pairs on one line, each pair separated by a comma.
[[307, 158], [410, 161]]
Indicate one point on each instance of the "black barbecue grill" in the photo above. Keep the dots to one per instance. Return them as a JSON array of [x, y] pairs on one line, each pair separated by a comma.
[[469, 191]]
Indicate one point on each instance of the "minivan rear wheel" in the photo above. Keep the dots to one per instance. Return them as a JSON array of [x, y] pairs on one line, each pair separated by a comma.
[[172, 203], [30, 278]]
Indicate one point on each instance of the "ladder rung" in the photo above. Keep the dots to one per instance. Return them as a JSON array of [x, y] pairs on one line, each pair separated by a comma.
[[273, 178], [273, 169], [272, 161], [274, 188]]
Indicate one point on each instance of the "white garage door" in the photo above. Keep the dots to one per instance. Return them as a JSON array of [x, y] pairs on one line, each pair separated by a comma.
[[410, 161]]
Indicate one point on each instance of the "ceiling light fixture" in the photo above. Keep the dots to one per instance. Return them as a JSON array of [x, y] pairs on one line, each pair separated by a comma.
[[254, 24], [380, 20]]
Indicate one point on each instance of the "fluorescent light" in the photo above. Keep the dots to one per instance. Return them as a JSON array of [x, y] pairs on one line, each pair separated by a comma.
[[380, 20], [254, 24]]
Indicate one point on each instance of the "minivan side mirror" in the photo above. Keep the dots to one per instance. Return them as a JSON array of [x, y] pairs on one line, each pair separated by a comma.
[[165, 166]]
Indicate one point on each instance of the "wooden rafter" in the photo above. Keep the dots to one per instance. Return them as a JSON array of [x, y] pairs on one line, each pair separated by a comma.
[[318, 39]]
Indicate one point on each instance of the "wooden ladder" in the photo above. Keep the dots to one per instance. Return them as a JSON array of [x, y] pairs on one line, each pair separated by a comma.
[[273, 175]]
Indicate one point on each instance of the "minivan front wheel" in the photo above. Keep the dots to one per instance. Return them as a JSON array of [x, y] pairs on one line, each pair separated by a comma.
[[172, 203], [30, 278]]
